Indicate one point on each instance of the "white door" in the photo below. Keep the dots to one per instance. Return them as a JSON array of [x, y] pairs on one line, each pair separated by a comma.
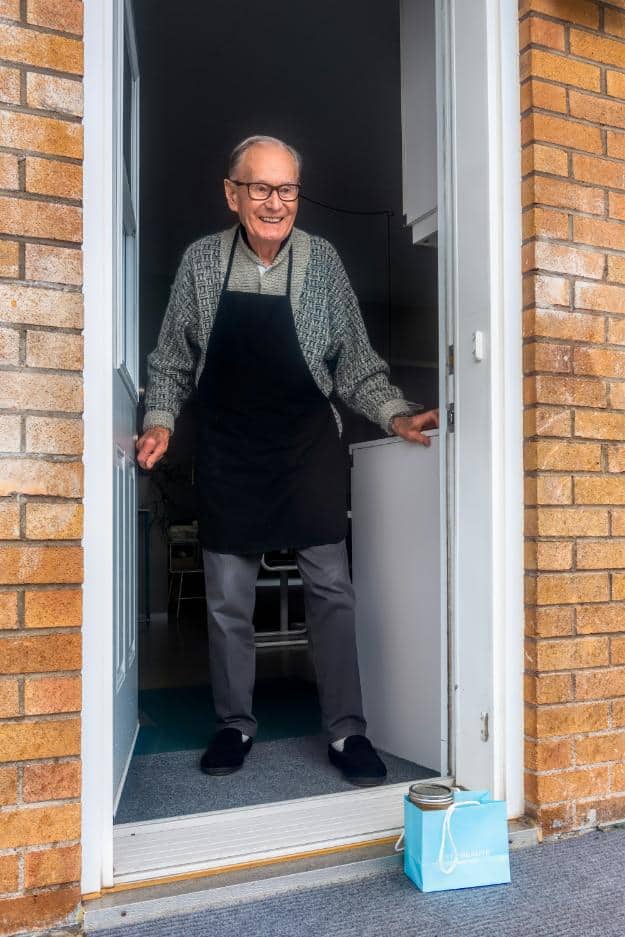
[[396, 566], [125, 398]]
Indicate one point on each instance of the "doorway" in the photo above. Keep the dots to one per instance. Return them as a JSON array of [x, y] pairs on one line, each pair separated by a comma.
[[371, 806]]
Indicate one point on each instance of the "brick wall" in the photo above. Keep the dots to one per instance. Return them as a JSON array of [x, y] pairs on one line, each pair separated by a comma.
[[573, 104], [40, 466]]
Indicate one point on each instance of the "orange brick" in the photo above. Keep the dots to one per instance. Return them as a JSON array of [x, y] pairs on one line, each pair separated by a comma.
[[54, 264], [560, 323], [34, 826], [10, 433], [23, 741], [616, 205], [34, 306], [600, 684], [538, 31], [596, 424], [571, 785], [599, 619], [39, 910], [42, 49], [562, 131], [616, 459], [571, 718], [10, 9], [53, 521], [609, 746], [40, 564], [54, 350], [618, 712], [559, 194], [38, 477], [569, 588], [614, 22], [8, 611], [616, 331], [571, 390], [618, 586], [601, 554], [542, 94], [51, 866], [599, 361], [544, 222], [604, 490], [53, 608], [51, 177], [601, 234], [616, 269], [65, 15], [32, 218], [561, 68], [618, 528], [9, 519], [9, 173], [54, 435], [615, 83], [59, 781], [601, 110], [9, 873], [8, 785], [9, 347], [47, 92], [618, 780], [41, 653], [582, 12], [41, 134], [562, 456], [547, 421], [605, 172], [571, 654], [586, 45], [572, 522], [554, 688], [554, 489], [617, 651], [37, 391], [9, 259], [551, 621], [555, 819], [10, 85], [616, 144], [9, 698], [546, 356], [538, 158], [554, 555], [51, 695], [548, 754], [570, 260], [543, 291]]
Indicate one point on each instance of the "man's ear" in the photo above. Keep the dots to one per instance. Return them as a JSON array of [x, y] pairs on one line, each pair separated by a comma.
[[231, 195]]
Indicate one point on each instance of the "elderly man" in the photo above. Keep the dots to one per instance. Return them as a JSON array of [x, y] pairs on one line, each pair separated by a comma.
[[263, 321]]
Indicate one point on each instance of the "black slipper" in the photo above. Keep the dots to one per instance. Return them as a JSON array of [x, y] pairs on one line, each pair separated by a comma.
[[226, 753], [359, 762]]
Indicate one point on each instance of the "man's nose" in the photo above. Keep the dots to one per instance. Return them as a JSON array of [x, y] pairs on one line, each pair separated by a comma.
[[274, 201]]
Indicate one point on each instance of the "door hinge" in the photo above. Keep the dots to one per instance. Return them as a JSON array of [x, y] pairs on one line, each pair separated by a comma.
[[451, 417], [484, 729]]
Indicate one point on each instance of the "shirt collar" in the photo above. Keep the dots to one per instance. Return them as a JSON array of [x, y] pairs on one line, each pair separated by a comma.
[[279, 256]]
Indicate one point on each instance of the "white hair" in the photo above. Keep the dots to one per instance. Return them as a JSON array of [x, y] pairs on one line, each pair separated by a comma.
[[241, 149]]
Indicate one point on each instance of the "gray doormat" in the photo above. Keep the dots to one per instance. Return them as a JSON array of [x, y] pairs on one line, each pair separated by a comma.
[[169, 784], [568, 889]]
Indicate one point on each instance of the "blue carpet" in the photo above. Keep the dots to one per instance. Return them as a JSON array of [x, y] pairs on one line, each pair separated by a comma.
[[170, 783], [183, 719], [569, 889]]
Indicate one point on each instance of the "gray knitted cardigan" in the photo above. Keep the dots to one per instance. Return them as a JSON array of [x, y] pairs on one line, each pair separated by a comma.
[[327, 319]]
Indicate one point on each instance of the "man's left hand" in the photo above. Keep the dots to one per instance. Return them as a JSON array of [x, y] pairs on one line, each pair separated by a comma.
[[411, 427]]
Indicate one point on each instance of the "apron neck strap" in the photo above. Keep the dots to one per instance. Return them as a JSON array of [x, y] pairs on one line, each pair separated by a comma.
[[231, 261]]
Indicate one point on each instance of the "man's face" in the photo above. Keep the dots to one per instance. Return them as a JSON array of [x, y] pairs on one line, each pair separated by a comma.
[[272, 219]]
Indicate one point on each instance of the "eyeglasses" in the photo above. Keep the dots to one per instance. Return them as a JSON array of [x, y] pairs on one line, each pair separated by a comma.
[[261, 191]]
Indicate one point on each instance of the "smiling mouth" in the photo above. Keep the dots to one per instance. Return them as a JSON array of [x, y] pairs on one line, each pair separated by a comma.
[[269, 220]]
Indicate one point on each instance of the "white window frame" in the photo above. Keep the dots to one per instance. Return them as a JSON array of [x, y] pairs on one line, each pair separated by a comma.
[[501, 37]]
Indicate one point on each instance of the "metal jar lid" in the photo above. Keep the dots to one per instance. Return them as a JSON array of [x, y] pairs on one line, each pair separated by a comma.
[[434, 795]]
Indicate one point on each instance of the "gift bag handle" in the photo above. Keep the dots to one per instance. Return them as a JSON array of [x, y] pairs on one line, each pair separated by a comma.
[[448, 868]]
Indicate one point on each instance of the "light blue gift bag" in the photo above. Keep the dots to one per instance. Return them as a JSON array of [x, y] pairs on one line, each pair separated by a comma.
[[461, 847]]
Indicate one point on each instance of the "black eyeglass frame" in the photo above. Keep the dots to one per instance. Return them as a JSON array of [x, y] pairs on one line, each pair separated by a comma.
[[272, 189]]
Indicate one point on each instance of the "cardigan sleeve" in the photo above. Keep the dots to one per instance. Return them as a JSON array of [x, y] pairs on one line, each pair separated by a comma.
[[171, 366], [361, 376]]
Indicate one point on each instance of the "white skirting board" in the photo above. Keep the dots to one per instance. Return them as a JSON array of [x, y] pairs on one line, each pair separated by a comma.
[[179, 845]]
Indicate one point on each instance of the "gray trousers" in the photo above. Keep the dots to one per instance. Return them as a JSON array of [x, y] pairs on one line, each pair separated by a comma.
[[329, 605]]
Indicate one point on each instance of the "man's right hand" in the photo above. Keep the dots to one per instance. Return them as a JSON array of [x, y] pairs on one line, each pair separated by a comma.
[[152, 446]]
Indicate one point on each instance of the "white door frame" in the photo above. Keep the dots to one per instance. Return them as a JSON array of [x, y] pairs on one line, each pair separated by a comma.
[[505, 609]]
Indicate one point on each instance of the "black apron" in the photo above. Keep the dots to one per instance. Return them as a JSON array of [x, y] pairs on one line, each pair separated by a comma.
[[271, 470]]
